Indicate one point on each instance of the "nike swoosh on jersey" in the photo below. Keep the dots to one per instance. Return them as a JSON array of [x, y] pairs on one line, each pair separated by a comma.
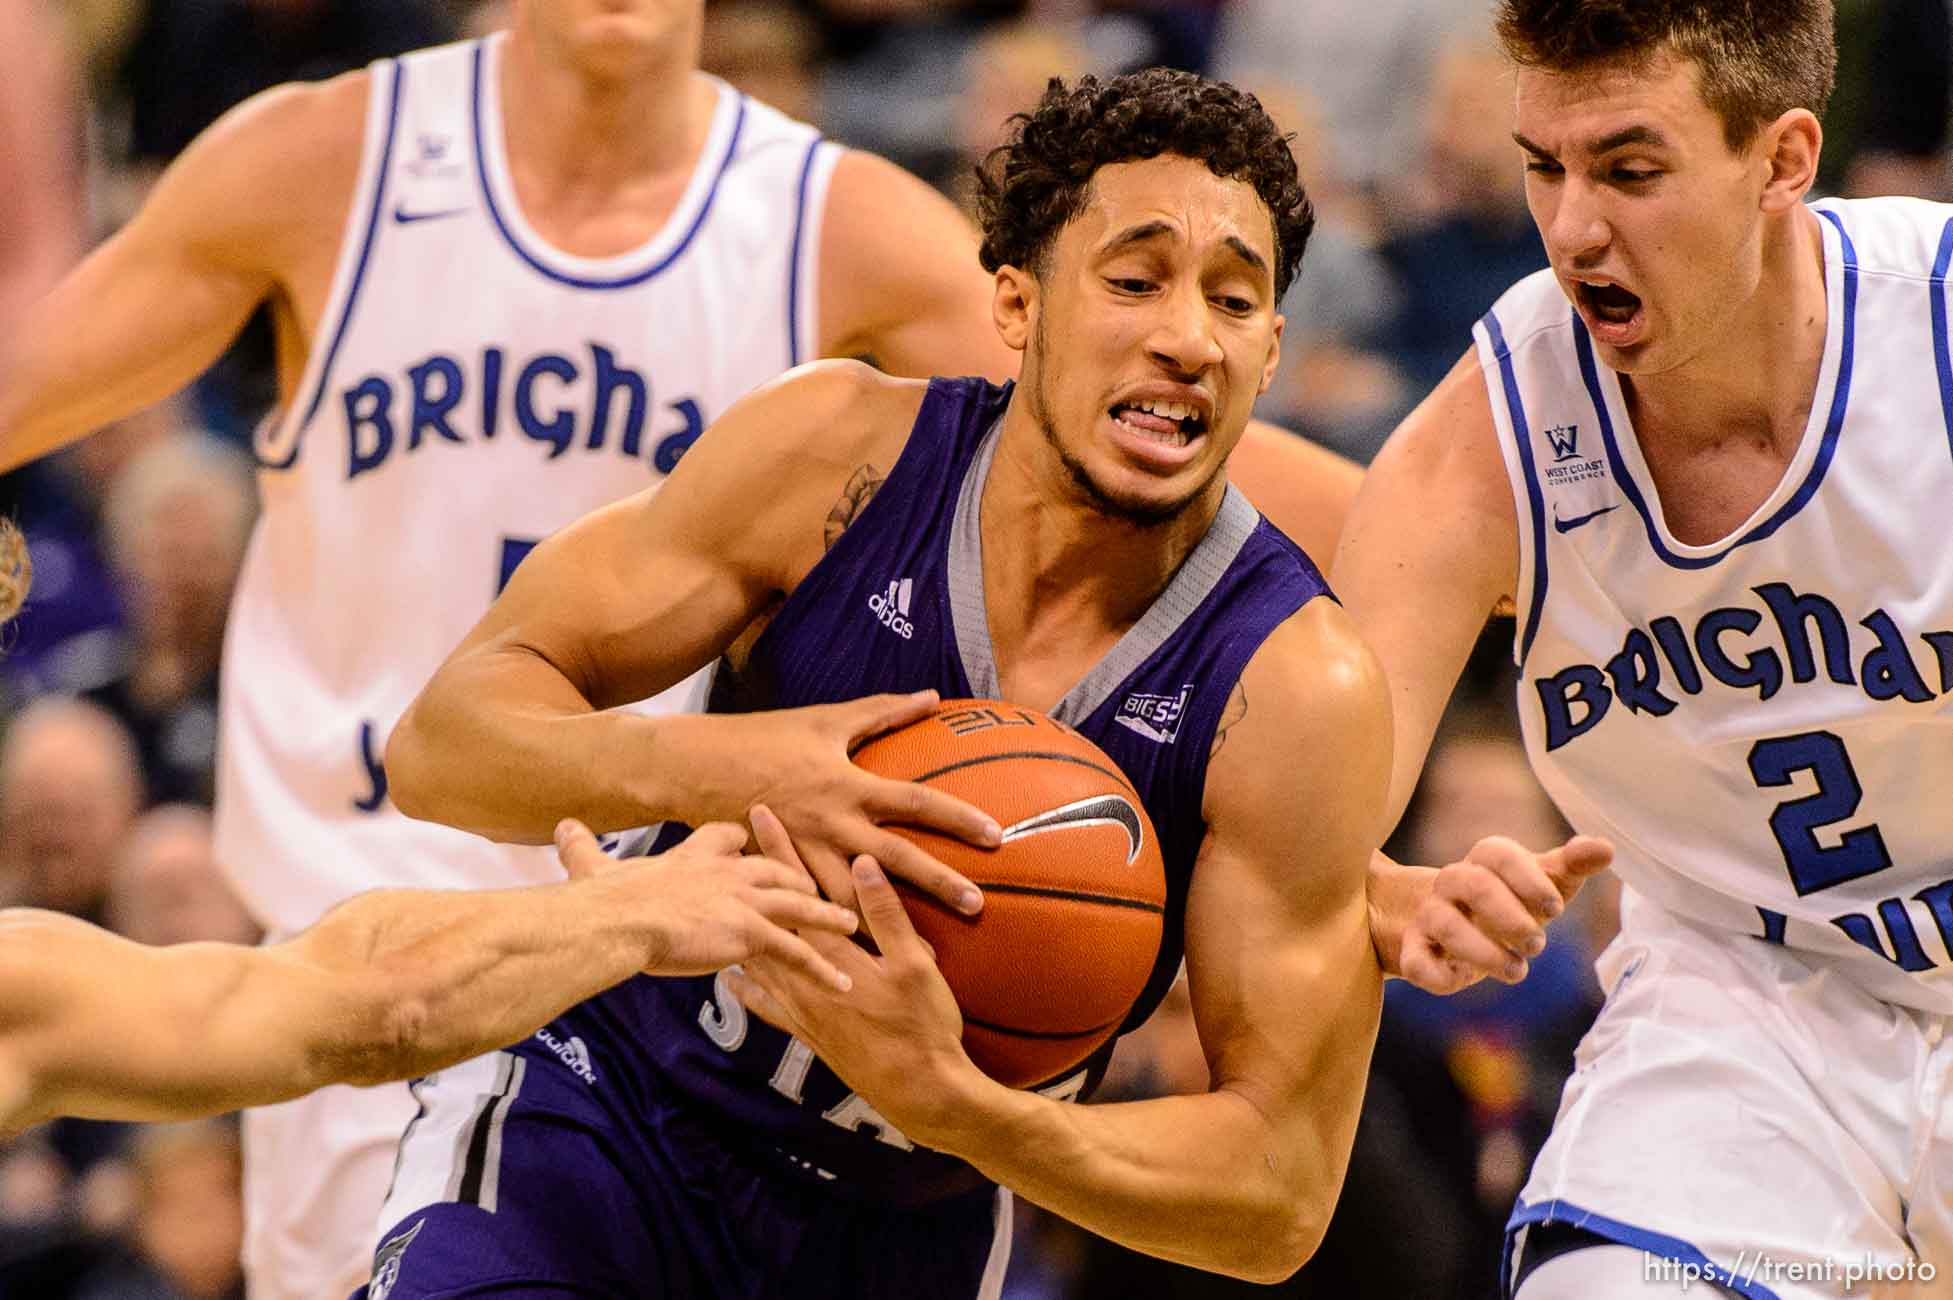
[[404, 217], [1568, 525]]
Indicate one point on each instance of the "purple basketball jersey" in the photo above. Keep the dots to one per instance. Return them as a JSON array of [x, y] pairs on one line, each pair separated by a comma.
[[897, 605]]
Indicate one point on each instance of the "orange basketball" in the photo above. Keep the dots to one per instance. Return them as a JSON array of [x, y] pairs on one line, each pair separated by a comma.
[[1073, 902]]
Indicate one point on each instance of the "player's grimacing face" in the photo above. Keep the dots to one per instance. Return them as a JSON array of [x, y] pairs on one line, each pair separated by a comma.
[[1156, 331], [1651, 221]]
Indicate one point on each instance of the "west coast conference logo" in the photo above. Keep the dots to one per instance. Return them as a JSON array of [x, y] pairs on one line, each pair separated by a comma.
[[1565, 441], [1569, 466], [891, 607]]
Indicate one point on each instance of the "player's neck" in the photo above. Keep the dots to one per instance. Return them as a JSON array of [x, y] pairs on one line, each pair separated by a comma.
[[1057, 567], [1761, 378], [571, 128]]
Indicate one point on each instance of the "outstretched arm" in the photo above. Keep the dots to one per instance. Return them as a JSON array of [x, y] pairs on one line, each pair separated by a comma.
[[259, 192], [388, 985], [1285, 986], [1431, 547]]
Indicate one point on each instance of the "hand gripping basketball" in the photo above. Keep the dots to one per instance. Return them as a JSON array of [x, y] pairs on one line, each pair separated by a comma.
[[796, 762]]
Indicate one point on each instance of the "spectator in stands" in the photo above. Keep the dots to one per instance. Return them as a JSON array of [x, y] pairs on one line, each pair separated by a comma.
[[176, 523], [768, 49], [1907, 125], [1333, 385], [1367, 64], [69, 789], [167, 887], [1465, 231], [189, 1220]]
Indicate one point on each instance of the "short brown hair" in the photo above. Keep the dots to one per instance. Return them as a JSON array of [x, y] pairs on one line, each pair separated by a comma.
[[1031, 187], [1757, 59]]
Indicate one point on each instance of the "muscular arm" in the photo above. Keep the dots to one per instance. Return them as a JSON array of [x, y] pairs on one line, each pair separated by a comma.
[[1431, 546], [1285, 985], [505, 738], [388, 985], [39, 135], [1430, 549], [256, 194]]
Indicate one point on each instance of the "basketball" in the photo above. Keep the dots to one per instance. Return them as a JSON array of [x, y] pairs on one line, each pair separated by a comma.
[[1073, 901]]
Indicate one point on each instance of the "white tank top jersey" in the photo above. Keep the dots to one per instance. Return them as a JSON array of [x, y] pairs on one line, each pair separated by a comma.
[[470, 391], [1762, 726]]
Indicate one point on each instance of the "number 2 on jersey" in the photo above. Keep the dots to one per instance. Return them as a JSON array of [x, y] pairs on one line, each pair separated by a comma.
[[1813, 865]]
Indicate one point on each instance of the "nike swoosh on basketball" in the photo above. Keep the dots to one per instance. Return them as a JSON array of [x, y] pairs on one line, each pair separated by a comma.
[[404, 217], [1568, 525]]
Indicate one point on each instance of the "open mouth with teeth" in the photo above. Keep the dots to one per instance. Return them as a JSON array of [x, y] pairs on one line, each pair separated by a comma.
[[1609, 302], [1172, 423]]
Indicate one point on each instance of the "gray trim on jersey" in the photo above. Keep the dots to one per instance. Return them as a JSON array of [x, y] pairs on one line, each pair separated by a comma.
[[1198, 575]]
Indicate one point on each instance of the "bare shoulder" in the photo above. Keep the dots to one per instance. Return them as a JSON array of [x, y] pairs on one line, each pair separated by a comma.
[[275, 174], [791, 464], [900, 277], [1451, 439], [1305, 737]]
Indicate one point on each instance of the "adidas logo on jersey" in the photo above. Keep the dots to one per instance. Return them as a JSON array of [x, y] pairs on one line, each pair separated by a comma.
[[891, 607], [1156, 717], [572, 1054]]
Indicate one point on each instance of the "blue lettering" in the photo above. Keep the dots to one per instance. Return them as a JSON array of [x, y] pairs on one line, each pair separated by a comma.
[[1773, 925], [1762, 669], [562, 428], [1794, 613], [431, 408], [378, 396], [1637, 676], [1889, 670], [1581, 684], [1939, 901], [611, 377], [1675, 645], [1906, 953], [1942, 644], [491, 384]]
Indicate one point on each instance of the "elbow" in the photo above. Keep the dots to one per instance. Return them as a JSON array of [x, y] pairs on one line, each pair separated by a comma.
[[404, 768], [1287, 1229], [383, 1040]]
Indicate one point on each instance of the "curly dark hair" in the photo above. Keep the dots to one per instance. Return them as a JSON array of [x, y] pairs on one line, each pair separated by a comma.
[[1757, 59], [1034, 184]]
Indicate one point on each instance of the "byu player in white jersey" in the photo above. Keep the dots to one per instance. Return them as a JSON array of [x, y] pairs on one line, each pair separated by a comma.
[[1708, 455], [511, 281]]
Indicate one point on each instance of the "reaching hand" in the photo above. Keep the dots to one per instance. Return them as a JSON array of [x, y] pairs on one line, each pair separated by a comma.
[[897, 1038], [708, 905], [1486, 915], [798, 766]]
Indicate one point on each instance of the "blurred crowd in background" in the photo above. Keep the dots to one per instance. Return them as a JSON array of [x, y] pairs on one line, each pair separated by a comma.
[[1400, 111]]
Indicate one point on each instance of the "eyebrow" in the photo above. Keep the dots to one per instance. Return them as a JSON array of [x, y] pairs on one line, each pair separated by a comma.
[[1606, 144], [1150, 230]]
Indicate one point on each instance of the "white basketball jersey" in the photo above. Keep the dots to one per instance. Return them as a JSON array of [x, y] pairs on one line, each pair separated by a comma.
[[1762, 726], [471, 390]]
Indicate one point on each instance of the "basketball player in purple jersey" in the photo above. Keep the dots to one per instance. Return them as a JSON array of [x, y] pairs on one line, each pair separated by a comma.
[[511, 280], [1072, 544]]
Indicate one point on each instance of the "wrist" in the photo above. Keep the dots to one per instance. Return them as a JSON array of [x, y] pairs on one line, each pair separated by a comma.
[[687, 774], [971, 1113], [1395, 891]]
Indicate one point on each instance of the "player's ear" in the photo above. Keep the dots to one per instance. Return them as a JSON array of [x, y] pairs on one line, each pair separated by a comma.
[[1013, 306], [1790, 145], [1274, 361]]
